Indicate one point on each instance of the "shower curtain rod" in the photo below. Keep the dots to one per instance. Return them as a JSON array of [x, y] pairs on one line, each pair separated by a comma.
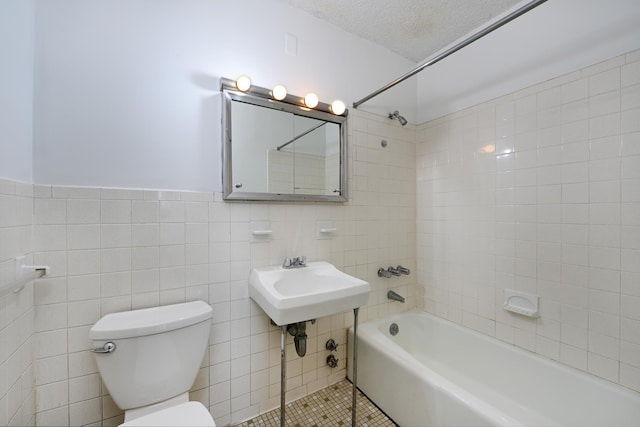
[[504, 20]]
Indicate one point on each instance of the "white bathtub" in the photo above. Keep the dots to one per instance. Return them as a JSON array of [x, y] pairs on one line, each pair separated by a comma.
[[437, 373]]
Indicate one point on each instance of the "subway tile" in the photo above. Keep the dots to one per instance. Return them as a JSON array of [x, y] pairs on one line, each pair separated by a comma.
[[51, 369], [574, 111], [631, 167], [630, 190], [575, 90], [83, 287], [145, 234], [115, 236], [630, 97], [172, 234], [575, 152], [113, 260], [83, 211], [605, 169], [51, 396], [630, 74], [605, 103], [610, 124], [630, 121], [75, 192], [604, 257], [121, 194], [605, 191], [630, 259], [85, 412], [143, 211], [172, 211], [50, 237], [115, 211], [605, 213], [83, 236], [604, 82], [604, 235], [603, 367], [630, 144], [83, 262], [50, 211]]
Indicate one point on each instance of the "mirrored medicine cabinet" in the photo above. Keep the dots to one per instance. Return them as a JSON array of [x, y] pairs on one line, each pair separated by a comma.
[[281, 150]]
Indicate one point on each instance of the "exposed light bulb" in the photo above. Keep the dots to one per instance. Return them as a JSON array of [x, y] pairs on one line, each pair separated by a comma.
[[311, 100], [243, 83], [279, 92], [338, 107]]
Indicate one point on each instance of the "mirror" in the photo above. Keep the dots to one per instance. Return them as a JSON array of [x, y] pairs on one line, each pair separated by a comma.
[[276, 150]]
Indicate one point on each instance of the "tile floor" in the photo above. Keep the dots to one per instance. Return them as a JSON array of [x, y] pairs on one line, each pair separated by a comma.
[[330, 406]]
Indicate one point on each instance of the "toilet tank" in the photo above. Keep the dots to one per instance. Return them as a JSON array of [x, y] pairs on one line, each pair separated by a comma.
[[158, 351]]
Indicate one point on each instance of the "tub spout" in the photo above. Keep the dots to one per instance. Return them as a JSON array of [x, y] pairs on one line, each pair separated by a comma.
[[395, 297]]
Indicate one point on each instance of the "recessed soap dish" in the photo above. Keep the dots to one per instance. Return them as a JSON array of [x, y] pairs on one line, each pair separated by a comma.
[[521, 303]]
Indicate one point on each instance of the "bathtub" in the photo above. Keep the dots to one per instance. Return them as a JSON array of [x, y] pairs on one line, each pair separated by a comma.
[[436, 373]]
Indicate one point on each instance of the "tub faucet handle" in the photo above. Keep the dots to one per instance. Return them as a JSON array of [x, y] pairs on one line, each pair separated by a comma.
[[403, 270], [393, 271], [383, 273]]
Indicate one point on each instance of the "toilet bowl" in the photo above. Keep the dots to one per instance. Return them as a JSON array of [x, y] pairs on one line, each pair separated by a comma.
[[149, 359]]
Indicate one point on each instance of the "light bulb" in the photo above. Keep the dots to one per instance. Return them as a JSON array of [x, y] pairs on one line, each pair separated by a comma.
[[311, 100], [279, 92], [243, 83], [338, 107]]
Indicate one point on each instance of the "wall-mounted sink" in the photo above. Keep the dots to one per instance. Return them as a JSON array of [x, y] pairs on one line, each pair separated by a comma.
[[299, 294]]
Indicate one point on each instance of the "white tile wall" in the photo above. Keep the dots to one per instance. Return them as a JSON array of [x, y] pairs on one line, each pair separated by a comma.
[[539, 191], [17, 384], [119, 249]]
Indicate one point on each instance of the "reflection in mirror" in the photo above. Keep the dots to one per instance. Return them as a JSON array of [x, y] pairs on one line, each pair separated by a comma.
[[278, 151]]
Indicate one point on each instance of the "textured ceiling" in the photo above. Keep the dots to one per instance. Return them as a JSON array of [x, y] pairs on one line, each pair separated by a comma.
[[414, 29]]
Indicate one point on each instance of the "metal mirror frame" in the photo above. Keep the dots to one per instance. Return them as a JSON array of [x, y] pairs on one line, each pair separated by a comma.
[[261, 97]]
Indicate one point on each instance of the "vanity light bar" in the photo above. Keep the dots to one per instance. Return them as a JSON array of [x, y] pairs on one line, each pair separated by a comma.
[[279, 92]]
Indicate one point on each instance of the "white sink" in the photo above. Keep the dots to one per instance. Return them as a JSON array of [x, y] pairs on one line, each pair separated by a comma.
[[299, 294]]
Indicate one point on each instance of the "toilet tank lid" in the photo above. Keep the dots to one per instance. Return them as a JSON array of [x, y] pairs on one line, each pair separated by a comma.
[[149, 321]]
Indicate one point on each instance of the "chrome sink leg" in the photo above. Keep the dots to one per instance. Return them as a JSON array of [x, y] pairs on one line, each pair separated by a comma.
[[283, 373], [355, 366]]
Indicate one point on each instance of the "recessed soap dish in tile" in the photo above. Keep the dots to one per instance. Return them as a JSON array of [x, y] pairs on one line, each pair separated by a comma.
[[521, 303]]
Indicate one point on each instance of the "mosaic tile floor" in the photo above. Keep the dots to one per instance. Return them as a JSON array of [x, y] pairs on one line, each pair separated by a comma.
[[328, 407]]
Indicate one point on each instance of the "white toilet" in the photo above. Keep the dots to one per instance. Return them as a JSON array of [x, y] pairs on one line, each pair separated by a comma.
[[149, 359]]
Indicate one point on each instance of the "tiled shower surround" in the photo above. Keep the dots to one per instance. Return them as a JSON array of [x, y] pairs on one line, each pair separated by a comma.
[[538, 191], [117, 249]]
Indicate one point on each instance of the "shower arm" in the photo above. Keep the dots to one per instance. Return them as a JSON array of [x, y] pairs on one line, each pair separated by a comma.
[[499, 23]]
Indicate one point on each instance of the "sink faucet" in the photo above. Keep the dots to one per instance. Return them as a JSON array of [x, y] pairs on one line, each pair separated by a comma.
[[295, 262]]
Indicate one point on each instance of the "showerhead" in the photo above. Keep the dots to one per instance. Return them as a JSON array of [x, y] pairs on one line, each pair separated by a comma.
[[396, 115]]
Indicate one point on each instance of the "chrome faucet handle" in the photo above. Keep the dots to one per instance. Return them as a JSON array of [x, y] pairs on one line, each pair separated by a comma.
[[302, 261], [403, 270], [393, 271], [383, 273]]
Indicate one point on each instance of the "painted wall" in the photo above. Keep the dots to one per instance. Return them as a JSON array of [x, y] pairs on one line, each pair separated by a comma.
[[16, 89], [539, 191], [126, 91]]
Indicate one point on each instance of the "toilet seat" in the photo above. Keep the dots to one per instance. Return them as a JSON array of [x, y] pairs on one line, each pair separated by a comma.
[[184, 414]]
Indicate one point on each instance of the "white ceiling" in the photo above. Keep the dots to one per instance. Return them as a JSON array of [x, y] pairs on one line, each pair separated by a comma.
[[556, 38], [414, 29]]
